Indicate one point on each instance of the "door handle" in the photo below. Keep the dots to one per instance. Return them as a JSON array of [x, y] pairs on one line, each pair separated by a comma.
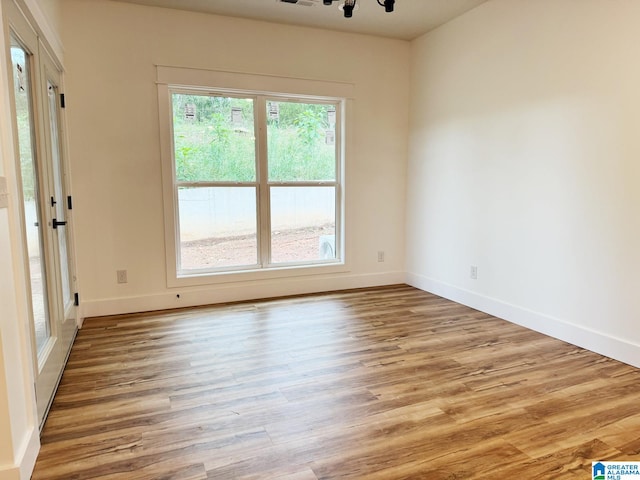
[[55, 223]]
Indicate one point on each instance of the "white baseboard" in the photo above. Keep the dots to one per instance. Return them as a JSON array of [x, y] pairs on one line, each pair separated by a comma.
[[25, 461], [10, 472], [599, 342], [191, 297], [30, 454]]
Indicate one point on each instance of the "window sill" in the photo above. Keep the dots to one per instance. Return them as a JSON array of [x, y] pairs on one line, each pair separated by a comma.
[[216, 278]]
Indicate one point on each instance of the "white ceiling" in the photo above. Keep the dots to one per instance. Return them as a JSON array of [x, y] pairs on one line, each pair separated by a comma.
[[410, 19]]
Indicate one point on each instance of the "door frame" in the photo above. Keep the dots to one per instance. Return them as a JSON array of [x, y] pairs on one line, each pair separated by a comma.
[[48, 367]]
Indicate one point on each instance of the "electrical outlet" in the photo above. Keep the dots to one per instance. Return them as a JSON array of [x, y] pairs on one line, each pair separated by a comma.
[[473, 272], [381, 256], [122, 276]]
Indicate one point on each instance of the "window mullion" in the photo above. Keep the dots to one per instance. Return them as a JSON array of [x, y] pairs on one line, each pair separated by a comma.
[[215, 184], [296, 183], [264, 213]]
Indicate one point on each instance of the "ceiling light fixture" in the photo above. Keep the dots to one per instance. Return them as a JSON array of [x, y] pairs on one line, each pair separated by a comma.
[[387, 4], [349, 5]]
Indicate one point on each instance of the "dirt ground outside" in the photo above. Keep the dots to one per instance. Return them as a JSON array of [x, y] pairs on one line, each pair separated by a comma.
[[302, 244]]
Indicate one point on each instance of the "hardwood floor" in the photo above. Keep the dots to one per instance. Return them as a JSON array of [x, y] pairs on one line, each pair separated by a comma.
[[383, 383]]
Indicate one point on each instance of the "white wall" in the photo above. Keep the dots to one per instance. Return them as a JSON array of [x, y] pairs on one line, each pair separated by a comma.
[[111, 50], [51, 11], [523, 161]]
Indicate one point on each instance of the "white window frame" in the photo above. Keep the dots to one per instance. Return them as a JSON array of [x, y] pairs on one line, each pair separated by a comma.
[[262, 88]]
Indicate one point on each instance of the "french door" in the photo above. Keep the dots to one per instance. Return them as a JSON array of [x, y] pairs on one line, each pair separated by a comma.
[[46, 206]]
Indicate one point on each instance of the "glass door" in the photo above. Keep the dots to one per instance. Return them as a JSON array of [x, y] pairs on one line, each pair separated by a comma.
[[31, 201], [61, 204], [45, 211]]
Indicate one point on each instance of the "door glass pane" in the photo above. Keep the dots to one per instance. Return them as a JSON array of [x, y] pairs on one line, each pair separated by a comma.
[[217, 227], [301, 141], [303, 224], [214, 138], [29, 174], [60, 203]]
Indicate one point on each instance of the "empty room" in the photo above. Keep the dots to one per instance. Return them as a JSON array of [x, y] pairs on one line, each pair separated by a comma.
[[315, 239]]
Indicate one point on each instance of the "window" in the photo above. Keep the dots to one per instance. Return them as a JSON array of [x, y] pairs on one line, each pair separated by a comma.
[[214, 151], [255, 182]]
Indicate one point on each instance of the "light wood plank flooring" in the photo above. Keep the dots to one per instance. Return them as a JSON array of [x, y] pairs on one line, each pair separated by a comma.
[[384, 383]]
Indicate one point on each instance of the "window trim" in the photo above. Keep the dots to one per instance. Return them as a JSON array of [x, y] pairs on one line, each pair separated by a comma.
[[174, 79]]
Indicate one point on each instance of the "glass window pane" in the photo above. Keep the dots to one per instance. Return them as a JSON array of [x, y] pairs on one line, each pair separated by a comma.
[[29, 176], [217, 227], [301, 141], [303, 224], [214, 138]]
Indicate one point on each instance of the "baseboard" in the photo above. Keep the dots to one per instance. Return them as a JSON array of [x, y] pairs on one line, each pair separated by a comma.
[[30, 454], [599, 342], [26, 459], [236, 292], [11, 472]]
